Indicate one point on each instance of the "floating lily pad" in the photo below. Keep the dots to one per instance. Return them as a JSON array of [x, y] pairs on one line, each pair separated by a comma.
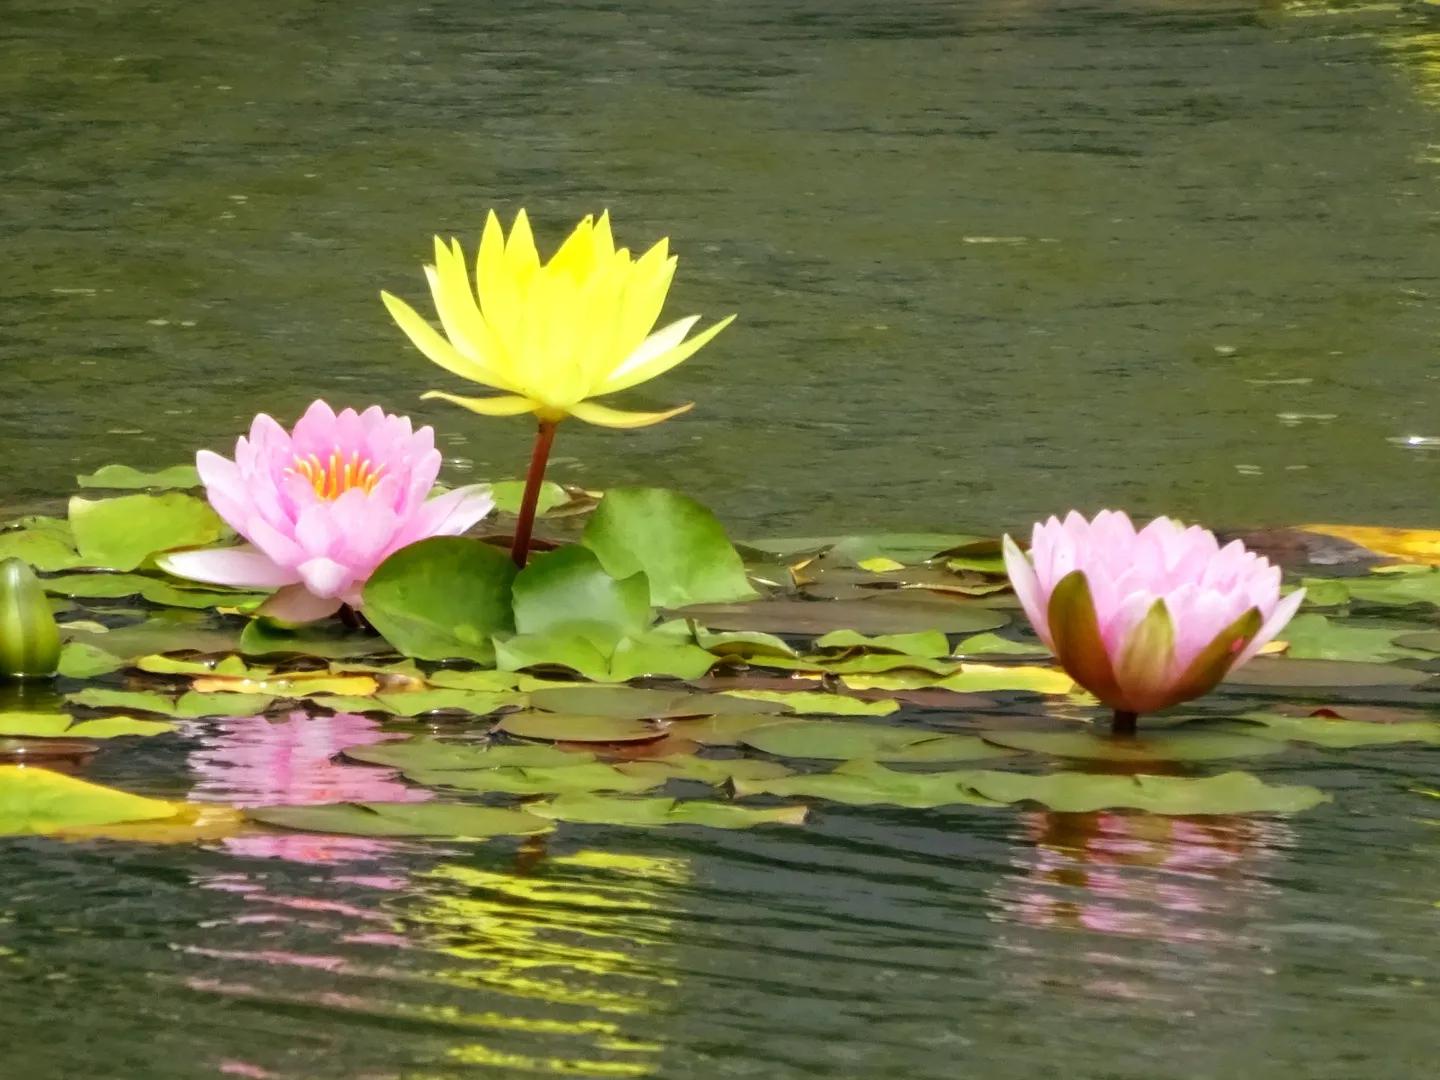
[[1423, 641], [723, 730], [582, 776], [169, 631], [568, 592], [100, 586], [99, 697], [744, 643], [420, 702], [1229, 793], [603, 810], [328, 639], [862, 664], [426, 754], [125, 478], [61, 725], [194, 705], [676, 542], [704, 770], [1330, 673], [121, 533], [881, 615], [571, 652], [403, 819], [991, 644], [508, 495], [639, 658], [623, 702], [1314, 637], [81, 660], [46, 551], [192, 823], [571, 727], [815, 702], [840, 740], [34, 800], [442, 598], [1169, 744], [926, 643], [865, 783], [1336, 733]]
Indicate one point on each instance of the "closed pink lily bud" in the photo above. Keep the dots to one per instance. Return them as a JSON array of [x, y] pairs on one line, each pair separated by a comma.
[[322, 506], [1145, 619]]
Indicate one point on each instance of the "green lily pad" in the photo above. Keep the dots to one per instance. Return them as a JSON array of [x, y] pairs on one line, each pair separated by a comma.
[[442, 598], [568, 727], [992, 644], [125, 478], [1423, 641], [927, 643], [1335, 733], [36, 725], [712, 771], [861, 664], [612, 810], [621, 702], [841, 740], [639, 658], [45, 551], [403, 819], [569, 651], [81, 660], [121, 533], [1326, 673], [34, 800], [1312, 636], [865, 783], [676, 542], [474, 680], [99, 697], [743, 643], [1228, 793], [193, 704], [883, 614], [1168, 744], [327, 639], [568, 592], [816, 702], [1414, 586], [425, 754], [420, 702], [583, 776], [725, 730], [508, 495], [169, 631]]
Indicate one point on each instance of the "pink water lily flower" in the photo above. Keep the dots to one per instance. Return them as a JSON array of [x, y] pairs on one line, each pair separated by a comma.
[[1146, 619], [323, 505]]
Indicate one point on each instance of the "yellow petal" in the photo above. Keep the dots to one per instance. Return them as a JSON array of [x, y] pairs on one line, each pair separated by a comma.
[[435, 347], [576, 256], [503, 405], [628, 375], [520, 254], [460, 315], [593, 413]]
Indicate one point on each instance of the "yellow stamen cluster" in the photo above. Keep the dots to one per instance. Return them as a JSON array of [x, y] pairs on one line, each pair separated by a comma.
[[339, 474]]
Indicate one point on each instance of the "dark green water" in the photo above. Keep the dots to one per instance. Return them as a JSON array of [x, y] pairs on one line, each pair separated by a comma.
[[991, 260]]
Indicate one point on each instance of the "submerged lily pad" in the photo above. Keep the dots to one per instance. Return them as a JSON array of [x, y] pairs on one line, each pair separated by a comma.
[[1168, 744], [34, 800], [840, 740], [885, 614], [603, 810], [403, 819], [571, 727], [676, 542], [121, 533], [125, 478]]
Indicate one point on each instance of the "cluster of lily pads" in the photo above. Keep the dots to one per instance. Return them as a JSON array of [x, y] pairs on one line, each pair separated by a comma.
[[541, 654]]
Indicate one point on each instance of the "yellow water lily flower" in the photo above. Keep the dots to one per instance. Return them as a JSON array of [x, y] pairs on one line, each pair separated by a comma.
[[552, 336]]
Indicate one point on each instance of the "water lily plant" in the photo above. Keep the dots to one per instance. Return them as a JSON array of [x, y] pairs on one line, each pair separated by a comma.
[[29, 636], [1145, 619], [551, 336], [322, 506]]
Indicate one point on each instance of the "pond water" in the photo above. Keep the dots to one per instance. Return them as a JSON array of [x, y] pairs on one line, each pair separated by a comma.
[[991, 259]]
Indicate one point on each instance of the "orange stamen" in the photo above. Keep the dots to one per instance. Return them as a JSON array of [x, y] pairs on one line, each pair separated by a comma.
[[340, 474]]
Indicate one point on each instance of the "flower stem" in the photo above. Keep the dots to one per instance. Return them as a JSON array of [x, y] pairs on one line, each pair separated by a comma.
[[1123, 723], [544, 437]]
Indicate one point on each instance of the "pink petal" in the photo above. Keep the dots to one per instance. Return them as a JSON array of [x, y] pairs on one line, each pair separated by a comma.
[[1283, 613], [1027, 589], [240, 567], [295, 604], [326, 577]]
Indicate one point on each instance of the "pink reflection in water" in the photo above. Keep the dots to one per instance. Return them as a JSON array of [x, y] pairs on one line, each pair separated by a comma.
[[255, 761]]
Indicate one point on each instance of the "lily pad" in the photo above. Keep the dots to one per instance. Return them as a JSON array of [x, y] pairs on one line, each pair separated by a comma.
[[1326, 673], [841, 740], [992, 644], [680, 546], [121, 533], [44, 550], [1334, 732], [194, 705], [641, 658], [926, 643], [426, 754], [610, 810], [622, 702], [508, 495], [1312, 636], [125, 478], [568, 592], [725, 730], [327, 639], [1169, 744], [36, 725], [1228, 793], [815, 702], [34, 800], [704, 770], [442, 598], [403, 819], [420, 702], [81, 660], [582, 776], [573, 727], [885, 614], [865, 783], [744, 643]]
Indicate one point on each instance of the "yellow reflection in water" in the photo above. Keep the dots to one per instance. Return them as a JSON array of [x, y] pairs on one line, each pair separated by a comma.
[[587, 934]]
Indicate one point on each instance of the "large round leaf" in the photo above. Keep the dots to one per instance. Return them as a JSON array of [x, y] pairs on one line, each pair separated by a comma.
[[121, 533], [840, 740], [1171, 744], [572, 727], [568, 592], [442, 598], [680, 546], [1229, 793]]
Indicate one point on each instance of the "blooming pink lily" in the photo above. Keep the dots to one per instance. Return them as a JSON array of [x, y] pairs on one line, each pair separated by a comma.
[[1146, 619], [323, 506]]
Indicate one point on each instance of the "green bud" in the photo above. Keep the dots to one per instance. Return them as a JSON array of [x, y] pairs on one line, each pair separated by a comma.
[[29, 638]]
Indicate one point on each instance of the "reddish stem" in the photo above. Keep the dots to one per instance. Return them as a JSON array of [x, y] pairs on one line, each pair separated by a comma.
[[544, 437]]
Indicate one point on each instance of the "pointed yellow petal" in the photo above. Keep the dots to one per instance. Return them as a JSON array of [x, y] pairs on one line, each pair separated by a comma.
[[460, 315], [648, 366], [646, 287], [504, 405], [576, 256], [604, 240], [605, 416], [435, 347], [520, 253]]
